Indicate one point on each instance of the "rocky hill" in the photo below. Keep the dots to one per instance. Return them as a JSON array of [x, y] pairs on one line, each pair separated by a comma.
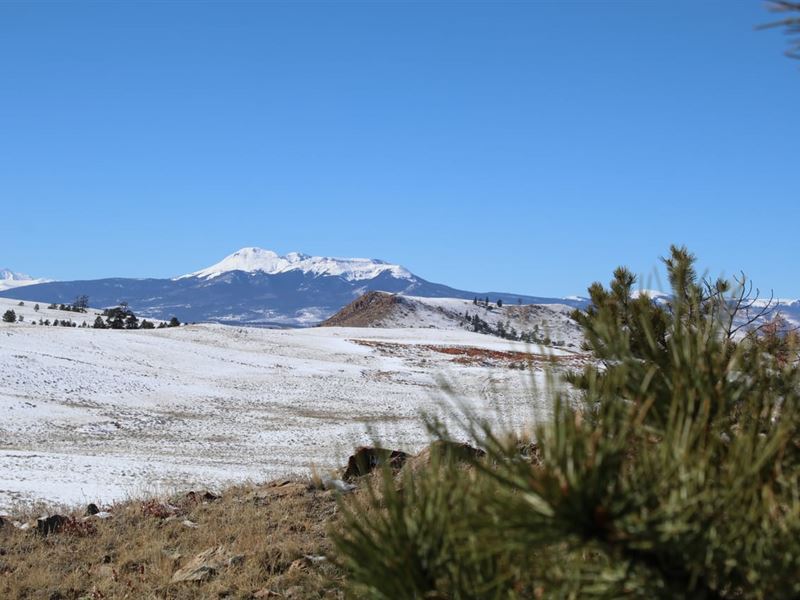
[[539, 323]]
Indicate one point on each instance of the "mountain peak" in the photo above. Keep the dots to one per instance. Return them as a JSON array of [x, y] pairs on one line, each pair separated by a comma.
[[259, 260], [9, 275], [11, 279]]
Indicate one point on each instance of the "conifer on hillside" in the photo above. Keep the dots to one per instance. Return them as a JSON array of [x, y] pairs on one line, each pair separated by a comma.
[[675, 474]]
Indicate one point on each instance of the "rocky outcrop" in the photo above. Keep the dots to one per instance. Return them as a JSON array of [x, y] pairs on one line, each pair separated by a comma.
[[443, 450], [366, 459], [207, 565], [51, 524], [365, 311]]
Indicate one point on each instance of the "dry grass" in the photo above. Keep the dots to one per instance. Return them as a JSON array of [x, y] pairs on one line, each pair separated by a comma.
[[471, 355], [268, 530], [365, 311]]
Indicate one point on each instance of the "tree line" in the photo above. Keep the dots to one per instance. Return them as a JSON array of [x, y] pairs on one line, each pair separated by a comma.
[[118, 317]]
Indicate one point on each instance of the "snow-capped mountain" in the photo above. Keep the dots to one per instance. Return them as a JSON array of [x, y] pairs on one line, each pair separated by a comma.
[[260, 287], [258, 260], [11, 279]]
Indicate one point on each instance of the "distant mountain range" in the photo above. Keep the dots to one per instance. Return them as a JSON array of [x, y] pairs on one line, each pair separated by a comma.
[[11, 279], [257, 287]]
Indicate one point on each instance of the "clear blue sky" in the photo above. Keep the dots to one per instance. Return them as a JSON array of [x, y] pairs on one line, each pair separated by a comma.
[[528, 147]]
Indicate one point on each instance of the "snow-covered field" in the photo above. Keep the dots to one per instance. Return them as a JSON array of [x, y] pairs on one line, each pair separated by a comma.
[[96, 415]]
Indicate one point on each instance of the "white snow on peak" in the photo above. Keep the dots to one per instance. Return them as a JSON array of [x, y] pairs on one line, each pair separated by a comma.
[[12, 279], [652, 294], [252, 260], [9, 275]]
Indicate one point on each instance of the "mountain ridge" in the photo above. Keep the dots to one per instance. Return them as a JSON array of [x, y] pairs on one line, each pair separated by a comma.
[[259, 287], [253, 259]]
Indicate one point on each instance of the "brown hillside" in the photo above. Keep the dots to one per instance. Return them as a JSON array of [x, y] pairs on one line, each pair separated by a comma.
[[365, 311]]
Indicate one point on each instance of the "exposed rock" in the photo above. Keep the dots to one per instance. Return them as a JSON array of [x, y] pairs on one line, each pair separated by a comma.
[[206, 565], [364, 311], [189, 524], [160, 510], [201, 496], [51, 524], [337, 485], [279, 489], [444, 450], [92, 510], [366, 459]]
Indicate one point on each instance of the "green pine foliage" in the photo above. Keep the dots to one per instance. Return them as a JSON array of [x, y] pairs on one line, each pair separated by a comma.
[[676, 474]]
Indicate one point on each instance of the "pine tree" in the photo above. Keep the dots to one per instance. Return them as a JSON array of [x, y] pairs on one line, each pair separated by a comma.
[[131, 322], [501, 329], [9, 316], [173, 322], [81, 303], [675, 475]]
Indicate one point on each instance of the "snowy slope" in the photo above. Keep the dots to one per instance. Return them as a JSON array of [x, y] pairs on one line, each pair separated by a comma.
[[395, 311], [11, 279], [29, 312], [94, 415]]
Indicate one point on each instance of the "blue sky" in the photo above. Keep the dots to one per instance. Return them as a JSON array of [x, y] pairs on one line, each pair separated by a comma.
[[527, 147]]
